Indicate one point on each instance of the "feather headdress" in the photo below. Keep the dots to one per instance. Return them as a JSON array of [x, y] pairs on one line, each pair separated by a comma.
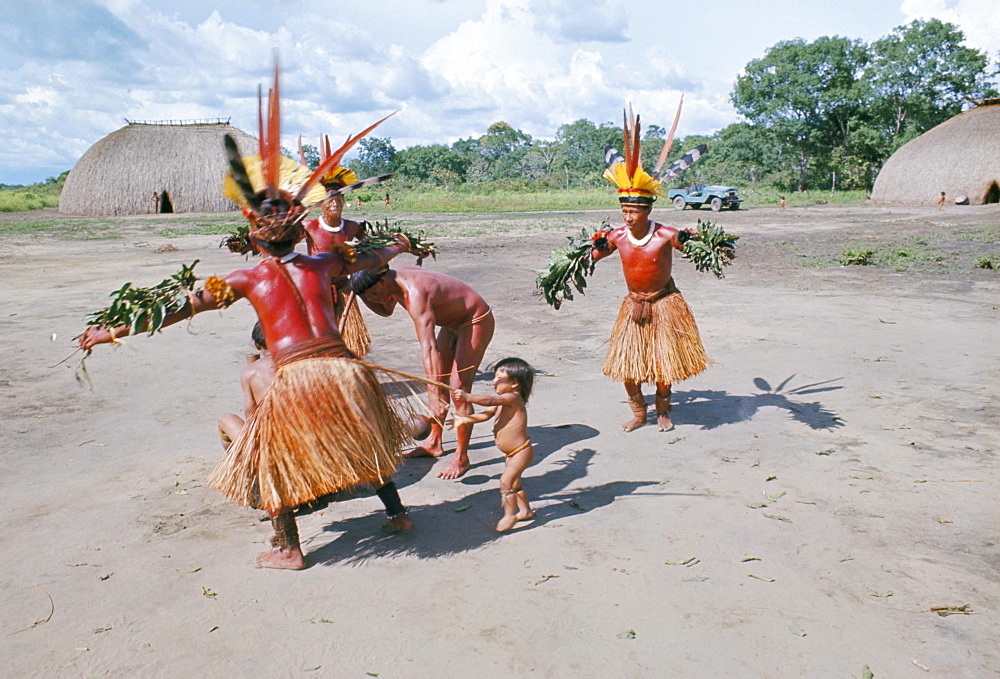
[[338, 179], [275, 191], [635, 185]]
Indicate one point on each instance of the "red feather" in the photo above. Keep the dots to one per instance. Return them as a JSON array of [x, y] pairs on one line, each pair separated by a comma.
[[333, 159]]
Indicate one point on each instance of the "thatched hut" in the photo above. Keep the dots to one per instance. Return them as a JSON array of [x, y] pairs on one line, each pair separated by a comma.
[[961, 157], [146, 167]]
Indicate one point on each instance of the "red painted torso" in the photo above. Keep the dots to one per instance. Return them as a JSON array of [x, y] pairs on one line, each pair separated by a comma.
[[647, 268], [286, 322]]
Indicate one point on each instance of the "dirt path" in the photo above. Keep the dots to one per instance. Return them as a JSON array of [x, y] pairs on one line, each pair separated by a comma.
[[831, 478]]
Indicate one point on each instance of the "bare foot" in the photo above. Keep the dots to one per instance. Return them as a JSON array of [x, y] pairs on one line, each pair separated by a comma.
[[426, 450], [288, 559], [506, 523], [663, 422], [634, 423], [455, 468], [398, 524], [524, 516]]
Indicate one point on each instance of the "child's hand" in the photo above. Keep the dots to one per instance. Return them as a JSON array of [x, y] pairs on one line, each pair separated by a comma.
[[460, 396], [459, 420]]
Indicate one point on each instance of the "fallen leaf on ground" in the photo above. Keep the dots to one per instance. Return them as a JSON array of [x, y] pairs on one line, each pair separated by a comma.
[[208, 593], [213, 629], [750, 558], [778, 517], [866, 673], [796, 629], [188, 570], [682, 562], [944, 611], [863, 477], [318, 621], [775, 496], [940, 520], [697, 578], [757, 577], [828, 451], [882, 595], [770, 478], [757, 505], [627, 634], [546, 578]]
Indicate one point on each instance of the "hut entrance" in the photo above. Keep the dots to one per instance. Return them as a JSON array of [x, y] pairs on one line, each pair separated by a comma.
[[165, 204], [993, 194]]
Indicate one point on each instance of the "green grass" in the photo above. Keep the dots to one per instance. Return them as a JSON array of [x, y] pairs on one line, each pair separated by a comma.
[[761, 196], [34, 197], [990, 233], [912, 254]]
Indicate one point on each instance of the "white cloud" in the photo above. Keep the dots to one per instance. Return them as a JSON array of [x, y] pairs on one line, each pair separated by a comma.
[[978, 19]]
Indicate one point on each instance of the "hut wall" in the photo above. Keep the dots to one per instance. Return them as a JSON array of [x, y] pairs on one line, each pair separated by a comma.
[[120, 173], [961, 157]]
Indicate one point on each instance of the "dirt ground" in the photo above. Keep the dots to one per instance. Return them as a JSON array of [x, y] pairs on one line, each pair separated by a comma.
[[831, 479]]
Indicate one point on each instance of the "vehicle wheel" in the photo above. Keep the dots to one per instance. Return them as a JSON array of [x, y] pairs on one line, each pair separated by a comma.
[[716, 204], [679, 202]]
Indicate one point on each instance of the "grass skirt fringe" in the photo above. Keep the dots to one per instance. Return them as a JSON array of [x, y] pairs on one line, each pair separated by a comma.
[[356, 335], [664, 350], [324, 425]]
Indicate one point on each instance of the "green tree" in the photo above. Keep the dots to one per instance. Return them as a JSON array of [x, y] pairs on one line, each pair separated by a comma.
[[503, 148], [807, 94], [418, 163], [311, 154], [921, 75], [376, 156], [581, 147]]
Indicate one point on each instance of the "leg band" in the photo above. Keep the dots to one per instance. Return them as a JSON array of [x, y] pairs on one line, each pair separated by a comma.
[[638, 405], [663, 403], [389, 495], [286, 532]]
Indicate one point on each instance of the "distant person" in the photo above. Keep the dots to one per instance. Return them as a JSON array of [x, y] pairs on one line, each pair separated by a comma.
[[941, 202], [512, 380], [357, 203], [156, 202], [782, 203], [387, 203]]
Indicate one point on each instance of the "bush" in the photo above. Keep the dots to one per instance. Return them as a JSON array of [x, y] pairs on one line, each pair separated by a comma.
[[857, 257]]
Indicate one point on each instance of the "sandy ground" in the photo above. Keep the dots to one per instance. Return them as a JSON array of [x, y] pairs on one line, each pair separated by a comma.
[[830, 479]]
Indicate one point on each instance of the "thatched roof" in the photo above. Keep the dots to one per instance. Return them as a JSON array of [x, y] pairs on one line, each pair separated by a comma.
[[182, 163], [961, 157]]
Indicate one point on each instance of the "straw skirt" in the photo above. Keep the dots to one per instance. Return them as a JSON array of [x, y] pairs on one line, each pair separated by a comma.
[[324, 425], [664, 347]]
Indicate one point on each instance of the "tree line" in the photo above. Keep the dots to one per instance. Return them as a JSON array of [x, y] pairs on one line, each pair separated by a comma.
[[816, 115]]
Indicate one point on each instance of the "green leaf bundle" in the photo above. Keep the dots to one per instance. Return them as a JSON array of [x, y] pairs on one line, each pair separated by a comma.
[[144, 309], [380, 235], [239, 241], [567, 268], [710, 248]]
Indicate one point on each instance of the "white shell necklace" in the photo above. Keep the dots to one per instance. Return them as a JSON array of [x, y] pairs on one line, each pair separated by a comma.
[[639, 242], [331, 229]]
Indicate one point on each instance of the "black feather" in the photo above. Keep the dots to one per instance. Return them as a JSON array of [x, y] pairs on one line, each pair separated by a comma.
[[611, 156], [362, 184], [683, 163], [239, 172]]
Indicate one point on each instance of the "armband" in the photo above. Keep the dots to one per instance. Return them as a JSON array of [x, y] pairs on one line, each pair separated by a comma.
[[221, 291]]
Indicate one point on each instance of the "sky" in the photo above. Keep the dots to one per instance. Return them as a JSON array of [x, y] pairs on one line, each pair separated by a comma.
[[74, 71]]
